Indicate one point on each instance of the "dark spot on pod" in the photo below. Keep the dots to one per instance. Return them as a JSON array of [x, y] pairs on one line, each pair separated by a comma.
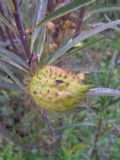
[[48, 91], [34, 92], [46, 80], [67, 84], [56, 94], [58, 82], [49, 70], [58, 74], [38, 77], [65, 76]]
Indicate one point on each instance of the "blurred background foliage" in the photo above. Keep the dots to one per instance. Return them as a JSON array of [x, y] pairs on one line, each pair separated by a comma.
[[91, 131]]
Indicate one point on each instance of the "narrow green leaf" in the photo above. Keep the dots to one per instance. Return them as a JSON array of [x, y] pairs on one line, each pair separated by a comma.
[[75, 4], [111, 67], [8, 72], [6, 23], [90, 69], [87, 124], [40, 13], [8, 60], [8, 86], [41, 45], [11, 6], [8, 55], [109, 20], [4, 44], [114, 101], [101, 9], [113, 120]]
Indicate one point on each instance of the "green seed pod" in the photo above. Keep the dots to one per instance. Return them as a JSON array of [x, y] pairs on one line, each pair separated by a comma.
[[53, 89]]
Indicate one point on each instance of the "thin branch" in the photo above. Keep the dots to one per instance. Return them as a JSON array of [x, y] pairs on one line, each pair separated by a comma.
[[51, 5], [96, 138], [46, 118], [79, 22], [21, 30]]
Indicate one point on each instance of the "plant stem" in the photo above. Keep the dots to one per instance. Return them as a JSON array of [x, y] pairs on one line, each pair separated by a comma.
[[96, 138], [19, 23], [11, 40], [45, 116], [51, 5], [79, 22]]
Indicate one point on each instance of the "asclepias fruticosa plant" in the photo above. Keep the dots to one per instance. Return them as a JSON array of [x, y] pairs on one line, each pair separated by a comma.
[[32, 49]]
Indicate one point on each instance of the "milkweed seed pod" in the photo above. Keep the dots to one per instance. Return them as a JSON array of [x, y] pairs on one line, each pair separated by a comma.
[[53, 89]]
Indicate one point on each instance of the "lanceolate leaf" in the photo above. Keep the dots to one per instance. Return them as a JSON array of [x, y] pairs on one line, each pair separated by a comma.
[[102, 9], [10, 57], [114, 101], [40, 13], [6, 23], [11, 6], [111, 67], [8, 60], [109, 20], [77, 125], [4, 44], [75, 4], [8, 86], [9, 72]]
